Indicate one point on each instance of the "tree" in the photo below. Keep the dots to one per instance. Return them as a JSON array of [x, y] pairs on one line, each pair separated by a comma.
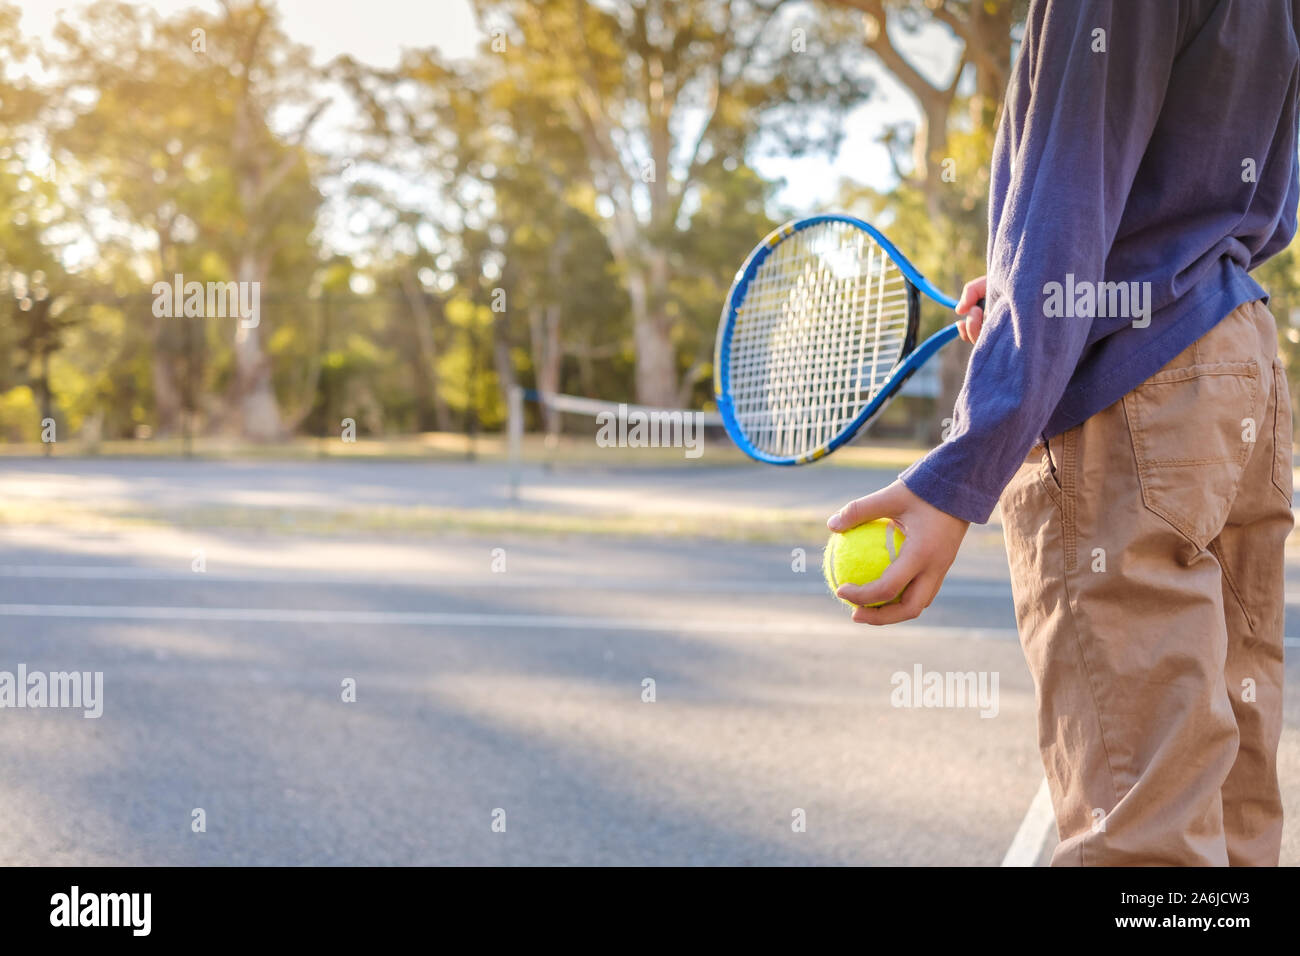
[[32, 276], [656, 90], [170, 120], [508, 232], [259, 70], [420, 121], [983, 28], [558, 268], [136, 131], [939, 206]]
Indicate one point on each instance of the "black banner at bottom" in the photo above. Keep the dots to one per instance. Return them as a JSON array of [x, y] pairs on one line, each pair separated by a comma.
[[334, 906]]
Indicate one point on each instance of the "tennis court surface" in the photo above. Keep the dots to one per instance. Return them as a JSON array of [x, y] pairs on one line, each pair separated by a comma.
[[634, 698]]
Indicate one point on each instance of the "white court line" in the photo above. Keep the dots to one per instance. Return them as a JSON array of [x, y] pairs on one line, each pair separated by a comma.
[[1035, 828], [428, 580], [803, 584], [525, 622], [809, 583]]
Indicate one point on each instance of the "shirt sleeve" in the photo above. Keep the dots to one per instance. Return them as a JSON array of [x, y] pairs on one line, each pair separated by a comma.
[[1087, 92]]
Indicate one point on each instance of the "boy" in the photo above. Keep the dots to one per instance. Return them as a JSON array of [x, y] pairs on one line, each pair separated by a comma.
[[1125, 401]]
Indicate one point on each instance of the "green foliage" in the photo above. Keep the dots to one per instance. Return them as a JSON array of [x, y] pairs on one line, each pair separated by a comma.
[[1281, 277], [557, 211], [20, 415]]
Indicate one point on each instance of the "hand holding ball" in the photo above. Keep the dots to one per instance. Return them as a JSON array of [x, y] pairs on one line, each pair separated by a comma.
[[861, 555]]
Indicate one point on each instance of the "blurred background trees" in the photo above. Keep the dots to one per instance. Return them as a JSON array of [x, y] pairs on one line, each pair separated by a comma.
[[565, 209]]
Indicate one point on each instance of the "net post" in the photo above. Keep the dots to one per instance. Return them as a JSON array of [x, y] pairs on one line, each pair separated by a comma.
[[515, 437]]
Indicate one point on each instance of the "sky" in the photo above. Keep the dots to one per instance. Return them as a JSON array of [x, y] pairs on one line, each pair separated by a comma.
[[370, 30], [375, 32]]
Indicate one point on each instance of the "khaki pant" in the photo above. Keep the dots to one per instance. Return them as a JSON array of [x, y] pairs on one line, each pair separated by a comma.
[[1146, 550]]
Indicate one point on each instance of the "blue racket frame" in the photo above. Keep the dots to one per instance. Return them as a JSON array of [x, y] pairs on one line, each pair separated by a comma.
[[900, 373]]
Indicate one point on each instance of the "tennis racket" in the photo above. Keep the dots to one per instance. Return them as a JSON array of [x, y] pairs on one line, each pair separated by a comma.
[[817, 336]]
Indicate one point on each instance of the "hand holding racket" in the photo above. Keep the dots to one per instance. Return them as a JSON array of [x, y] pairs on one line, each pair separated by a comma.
[[817, 337]]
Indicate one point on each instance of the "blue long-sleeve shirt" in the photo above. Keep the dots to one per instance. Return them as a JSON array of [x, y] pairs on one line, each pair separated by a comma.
[[1142, 141]]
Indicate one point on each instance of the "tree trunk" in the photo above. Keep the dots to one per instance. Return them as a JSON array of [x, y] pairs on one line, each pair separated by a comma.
[[424, 361], [502, 360], [991, 31], [931, 150], [544, 332], [167, 397], [256, 407], [656, 359]]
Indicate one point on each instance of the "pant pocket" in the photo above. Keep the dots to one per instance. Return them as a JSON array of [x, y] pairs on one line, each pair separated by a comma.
[[1192, 430], [1282, 474], [1047, 472]]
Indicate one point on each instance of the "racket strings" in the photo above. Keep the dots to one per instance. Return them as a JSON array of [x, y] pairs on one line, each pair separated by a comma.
[[823, 323]]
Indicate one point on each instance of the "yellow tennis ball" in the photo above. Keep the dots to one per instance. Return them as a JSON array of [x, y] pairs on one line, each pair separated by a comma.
[[861, 555]]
